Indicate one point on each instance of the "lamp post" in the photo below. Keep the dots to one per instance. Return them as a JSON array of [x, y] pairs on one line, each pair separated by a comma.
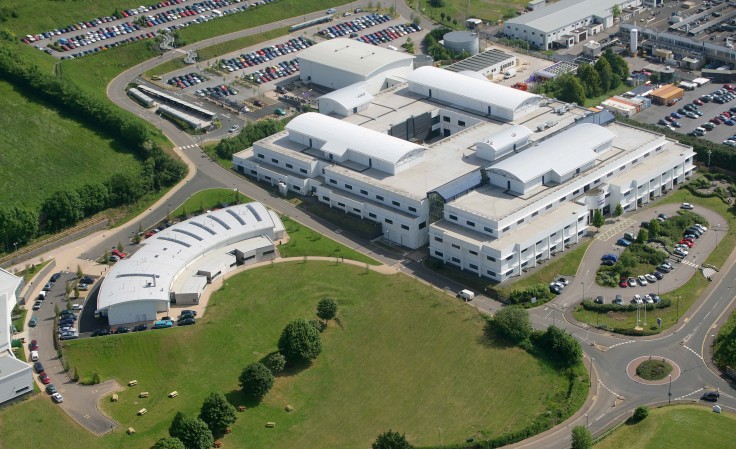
[[583, 284], [669, 392], [709, 151], [16, 246], [590, 373], [587, 421]]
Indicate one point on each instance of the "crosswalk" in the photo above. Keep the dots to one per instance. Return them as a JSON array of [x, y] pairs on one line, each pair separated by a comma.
[[186, 147]]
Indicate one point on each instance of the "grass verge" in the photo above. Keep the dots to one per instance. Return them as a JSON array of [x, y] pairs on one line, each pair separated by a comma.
[[675, 427], [206, 200], [370, 377], [304, 241]]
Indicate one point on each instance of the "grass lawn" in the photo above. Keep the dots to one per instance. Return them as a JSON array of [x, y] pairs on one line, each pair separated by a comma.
[[693, 288], [304, 241], [487, 10], [623, 87], [207, 200], [682, 426], [565, 264], [364, 382], [51, 152], [18, 323], [32, 270]]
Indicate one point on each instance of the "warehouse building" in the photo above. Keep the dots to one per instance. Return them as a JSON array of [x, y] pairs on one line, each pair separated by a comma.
[[338, 63], [176, 264], [469, 167], [566, 22], [16, 376], [489, 63]]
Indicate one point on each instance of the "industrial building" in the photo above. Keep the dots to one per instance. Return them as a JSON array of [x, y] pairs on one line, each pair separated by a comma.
[[16, 376], [472, 168], [461, 41], [338, 63], [489, 63], [566, 22], [175, 265]]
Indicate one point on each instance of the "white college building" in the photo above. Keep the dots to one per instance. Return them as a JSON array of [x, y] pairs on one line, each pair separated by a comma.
[[176, 264], [16, 376], [565, 23], [494, 179]]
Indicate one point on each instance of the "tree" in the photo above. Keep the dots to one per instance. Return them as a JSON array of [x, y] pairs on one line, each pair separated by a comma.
[[655, 229], [590, 80], [640, 413], [598, 219], [95, 197], [175, 426], [619, 210], [168, 443], [616, 11], [437, 3], [120, 246], [217, 413], [581, 438], [80, 273], [562, 345], [391, 440], [256, 380], [194, 433], [571, 90], [62, 209], [605, 72], [276, 362], [300, 342], [642, 236], [513, 322], [327, 309]]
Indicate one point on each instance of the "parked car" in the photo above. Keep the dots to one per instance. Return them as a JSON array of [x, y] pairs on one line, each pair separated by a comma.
[[140, 328], [651, 279], [611, 256], [184, 316], [45, 379], [100, 332], [161, 324], [623, 283], [631, 281], [48, 286], [686, 206], [37, 305], [658, 275], [33, 322], [55, 277], [618, 300], [655, 298], [637, 299], [192, 312], [50, 389], [599, 300], [57, 397], [608, 263], [38, 367], [33, 345], [623, 242], [555, 288], [642, 280], [186, 322], [89, 280], [122, 330]]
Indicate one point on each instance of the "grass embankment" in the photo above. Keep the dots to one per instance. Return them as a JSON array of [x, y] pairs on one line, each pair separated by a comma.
[[691, 290], [404, 358], [206, 200], [682, 426], [51, 153], [487, 10]]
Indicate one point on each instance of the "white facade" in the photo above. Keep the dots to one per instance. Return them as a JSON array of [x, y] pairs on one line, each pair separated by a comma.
[[139, 287], [16, 377], [565, 22], [338, 63]]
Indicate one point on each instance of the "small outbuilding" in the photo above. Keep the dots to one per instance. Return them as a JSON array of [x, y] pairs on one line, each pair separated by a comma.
[[666, 94]]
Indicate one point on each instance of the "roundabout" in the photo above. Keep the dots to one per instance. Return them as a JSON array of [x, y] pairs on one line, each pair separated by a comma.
[[656, 370]]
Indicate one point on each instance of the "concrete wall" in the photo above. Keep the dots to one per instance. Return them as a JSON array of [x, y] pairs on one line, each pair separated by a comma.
[[134, 311]]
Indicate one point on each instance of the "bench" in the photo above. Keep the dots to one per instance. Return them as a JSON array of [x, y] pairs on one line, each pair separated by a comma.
[[173, 394], [131, 431], [132, 383], [142, 412], [143, 394], [271, 424]]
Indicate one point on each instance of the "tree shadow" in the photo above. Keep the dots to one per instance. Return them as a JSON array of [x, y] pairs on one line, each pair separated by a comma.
[[491, 339], [237, 398], [294, 368]]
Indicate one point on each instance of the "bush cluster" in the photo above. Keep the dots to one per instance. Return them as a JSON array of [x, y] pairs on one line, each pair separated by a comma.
[[605, 308], [252, 132], [539, 291]]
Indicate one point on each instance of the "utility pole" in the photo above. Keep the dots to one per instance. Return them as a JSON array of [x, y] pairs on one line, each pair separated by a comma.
[[669, 392]]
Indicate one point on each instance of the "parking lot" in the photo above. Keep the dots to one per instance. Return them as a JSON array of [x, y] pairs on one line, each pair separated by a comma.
[[720, 133]]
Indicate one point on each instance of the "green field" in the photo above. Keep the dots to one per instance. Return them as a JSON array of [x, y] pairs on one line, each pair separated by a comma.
[[678, 427], [487, 10], [405, 356], [693, 288], [206, 200], [42, 151]]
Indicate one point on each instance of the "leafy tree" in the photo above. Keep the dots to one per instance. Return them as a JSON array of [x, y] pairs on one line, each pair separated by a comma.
[[327, 309], [581, 438], [391, 440], [300, 342], [514, 323], [16, 226], [590, 80], [176, 423], [640, 413], [168, 443], [619, 210], [80, 273], [598, 219], [217, 413], [193, 433], [120, 246], [605, 73], [62, 209], [571, 90], [256, 380], [276, 362], [655, 229], [616, 11], [642, 236], [561, 345]]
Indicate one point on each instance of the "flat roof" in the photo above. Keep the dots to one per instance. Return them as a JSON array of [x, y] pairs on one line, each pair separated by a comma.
[[553, 16], [149, 273], [9, 365], [481, 61], [352, 56]]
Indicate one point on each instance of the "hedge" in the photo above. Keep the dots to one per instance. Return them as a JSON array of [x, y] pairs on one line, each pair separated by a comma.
[[610, 307]]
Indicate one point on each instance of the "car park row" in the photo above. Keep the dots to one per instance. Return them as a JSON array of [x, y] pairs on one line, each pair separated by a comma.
[[265, 54], [389, 34], [186, 318], [353, 26], [280, 70]]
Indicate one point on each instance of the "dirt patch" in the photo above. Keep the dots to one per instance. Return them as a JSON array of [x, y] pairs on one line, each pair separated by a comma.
[[618, 316]]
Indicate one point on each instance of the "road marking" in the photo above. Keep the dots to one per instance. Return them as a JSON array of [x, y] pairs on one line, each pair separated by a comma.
[[618, 396], [622, 343], [691, 350]]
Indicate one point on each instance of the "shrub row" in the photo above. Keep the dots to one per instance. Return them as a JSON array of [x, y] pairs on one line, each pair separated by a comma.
[[604, 308]]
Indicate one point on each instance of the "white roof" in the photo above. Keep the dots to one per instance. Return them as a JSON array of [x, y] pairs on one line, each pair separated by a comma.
[[352, 56], [9, 284], [150, 273], [507, 136], [340, 136], [476, 89], [554, 16], [350, 96], [561, 153]]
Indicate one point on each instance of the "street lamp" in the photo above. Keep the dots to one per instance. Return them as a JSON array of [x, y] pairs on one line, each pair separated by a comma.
[[709, 151], [669, 392], [16, 246], [583, 284], [587, 421], [590, 373]]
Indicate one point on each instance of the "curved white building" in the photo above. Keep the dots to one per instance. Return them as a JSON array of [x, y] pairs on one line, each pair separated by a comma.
[[16, 376], [176, 264]]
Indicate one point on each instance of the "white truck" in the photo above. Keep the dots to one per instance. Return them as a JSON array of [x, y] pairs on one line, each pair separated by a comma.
[[467, 295], [509, 73]]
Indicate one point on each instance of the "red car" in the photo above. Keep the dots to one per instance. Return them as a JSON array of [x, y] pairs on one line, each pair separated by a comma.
[[716, 121], [120, 254], [726, 113], [34, 345], [45, 379], [698, 102], [689, 243], [624, 283]]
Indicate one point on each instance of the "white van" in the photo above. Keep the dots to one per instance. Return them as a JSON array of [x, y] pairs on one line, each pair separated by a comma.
[[467, 295], [41, 296], [34, 356]]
